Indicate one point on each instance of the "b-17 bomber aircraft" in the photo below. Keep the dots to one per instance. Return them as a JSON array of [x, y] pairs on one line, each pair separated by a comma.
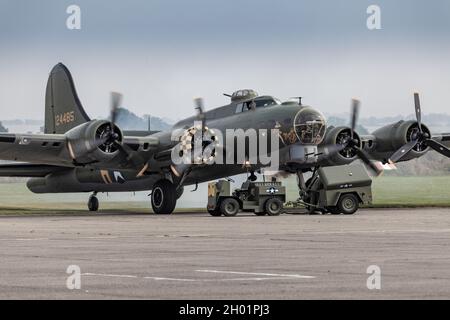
[[77, 154]]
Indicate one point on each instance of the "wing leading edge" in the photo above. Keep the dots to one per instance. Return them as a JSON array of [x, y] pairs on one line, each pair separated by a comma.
[[28, 170]]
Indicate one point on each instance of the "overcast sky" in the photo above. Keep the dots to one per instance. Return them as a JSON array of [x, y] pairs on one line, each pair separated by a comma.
[[160, 54]]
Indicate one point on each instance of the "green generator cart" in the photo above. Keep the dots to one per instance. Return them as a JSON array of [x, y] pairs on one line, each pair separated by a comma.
[[339, 189], [261, 198]]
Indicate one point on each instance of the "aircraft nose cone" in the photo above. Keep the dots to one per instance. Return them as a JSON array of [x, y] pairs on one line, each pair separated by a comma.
[[310, 126]]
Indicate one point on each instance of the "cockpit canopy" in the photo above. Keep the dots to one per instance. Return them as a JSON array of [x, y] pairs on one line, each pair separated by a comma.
[[253, 104], [310, 126]]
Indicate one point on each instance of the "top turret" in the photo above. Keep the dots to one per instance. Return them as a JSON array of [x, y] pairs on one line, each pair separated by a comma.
[[242, 95]]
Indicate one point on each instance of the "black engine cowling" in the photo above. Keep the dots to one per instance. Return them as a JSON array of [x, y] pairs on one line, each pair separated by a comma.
[[339, 136], [390, 138], [86, 142]]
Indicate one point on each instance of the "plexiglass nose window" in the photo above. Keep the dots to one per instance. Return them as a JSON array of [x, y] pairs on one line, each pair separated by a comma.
[[310, 125]]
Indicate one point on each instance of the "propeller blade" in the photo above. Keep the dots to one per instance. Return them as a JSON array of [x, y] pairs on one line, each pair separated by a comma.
[[329, 150], [355, 111], [364, 158], [403, 151], [98, 142], [196, 158], [199, 105], [129, 154], [418, 111], [281, 174], [116, 101], [436, 146]]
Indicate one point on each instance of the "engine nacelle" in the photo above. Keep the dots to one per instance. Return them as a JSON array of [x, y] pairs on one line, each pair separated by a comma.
[[84, 142], [59, 182], [390, 138], [339, 136]]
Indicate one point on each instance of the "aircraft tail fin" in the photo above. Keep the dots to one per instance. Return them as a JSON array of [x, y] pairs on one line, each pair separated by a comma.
[[63, 109]]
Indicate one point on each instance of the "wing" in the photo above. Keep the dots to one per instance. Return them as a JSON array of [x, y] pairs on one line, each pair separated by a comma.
[[28, 170], [35, 148], [56, 150]]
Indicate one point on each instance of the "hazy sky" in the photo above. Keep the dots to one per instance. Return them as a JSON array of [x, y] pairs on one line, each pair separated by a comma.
[[160, 54]]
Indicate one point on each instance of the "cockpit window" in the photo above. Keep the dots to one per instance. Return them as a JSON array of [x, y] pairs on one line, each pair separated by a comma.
[[256, 103], [239, 107], [249, 105], [265, 102], [253, 104], [310, 125]]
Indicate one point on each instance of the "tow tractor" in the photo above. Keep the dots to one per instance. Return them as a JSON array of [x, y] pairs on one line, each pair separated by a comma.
[[261, 198]]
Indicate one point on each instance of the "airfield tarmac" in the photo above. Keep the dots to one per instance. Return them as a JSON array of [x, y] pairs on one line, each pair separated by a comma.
[[195, 256]]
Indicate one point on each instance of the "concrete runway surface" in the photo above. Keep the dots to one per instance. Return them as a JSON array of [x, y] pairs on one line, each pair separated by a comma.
[[195, 256]]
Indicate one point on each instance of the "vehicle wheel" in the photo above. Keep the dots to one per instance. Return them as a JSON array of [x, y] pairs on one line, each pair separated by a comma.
[[93, 204], [229, 207], [273, 206], [164, 197], [180, 192], [215, 213], [348, 204], [334, 210]]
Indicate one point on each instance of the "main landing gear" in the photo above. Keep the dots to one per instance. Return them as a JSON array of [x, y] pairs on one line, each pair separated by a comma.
[[164, 197], [93, 203]]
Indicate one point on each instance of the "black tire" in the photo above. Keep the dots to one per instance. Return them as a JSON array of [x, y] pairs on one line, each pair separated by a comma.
[[273, 206], [334, 210], [180, 192], [164, 197], [215, 213], [93, 204], [348, 204], [229, 207]]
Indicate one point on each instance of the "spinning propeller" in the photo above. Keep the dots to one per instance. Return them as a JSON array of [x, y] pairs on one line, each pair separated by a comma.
[[109, 139], [200, 107], [354, 142], [351, 143], [192, 153]]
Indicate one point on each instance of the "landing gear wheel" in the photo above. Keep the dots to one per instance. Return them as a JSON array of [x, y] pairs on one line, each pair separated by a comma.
[[215, 213], [180, 192], [229, 207], [273, 206], [164, 197], [93, 203], [348, 204]]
